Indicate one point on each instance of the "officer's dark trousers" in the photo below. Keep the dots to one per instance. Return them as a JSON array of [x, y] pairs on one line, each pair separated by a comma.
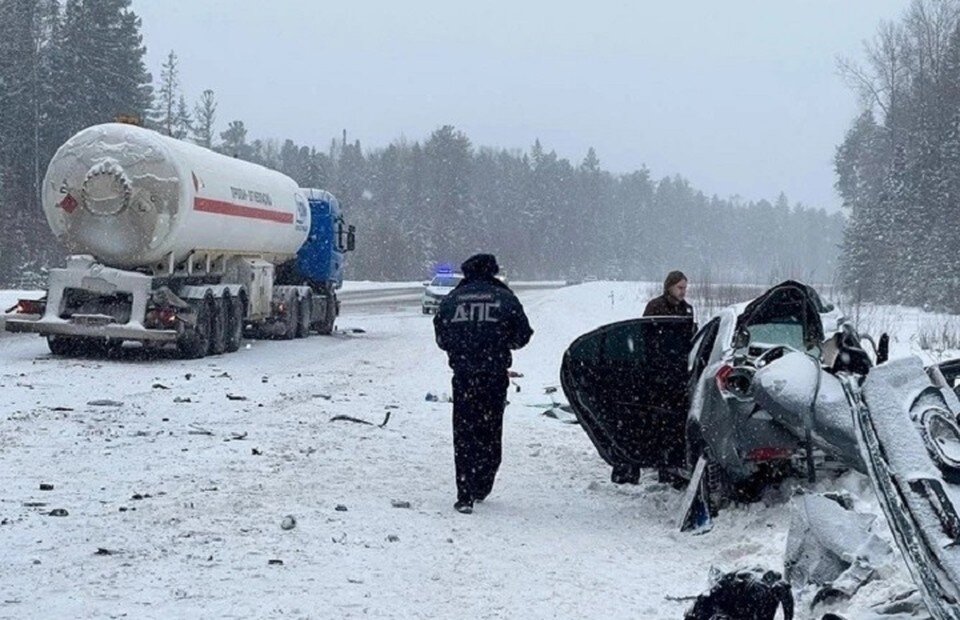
[[478, 402]]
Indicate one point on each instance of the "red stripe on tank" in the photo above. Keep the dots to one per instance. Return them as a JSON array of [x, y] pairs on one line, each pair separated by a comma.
[[228, 208]]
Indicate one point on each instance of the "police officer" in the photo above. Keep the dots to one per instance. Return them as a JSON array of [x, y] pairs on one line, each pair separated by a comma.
[[477, 324]]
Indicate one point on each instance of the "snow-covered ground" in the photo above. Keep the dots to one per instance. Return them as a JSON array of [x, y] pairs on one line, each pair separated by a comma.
[[176, 482]]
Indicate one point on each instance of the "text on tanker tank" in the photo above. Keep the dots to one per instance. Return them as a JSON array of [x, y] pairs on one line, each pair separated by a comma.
[[251, 196]]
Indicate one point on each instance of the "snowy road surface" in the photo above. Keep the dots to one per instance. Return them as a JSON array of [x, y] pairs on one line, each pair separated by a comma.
[[183, 472]]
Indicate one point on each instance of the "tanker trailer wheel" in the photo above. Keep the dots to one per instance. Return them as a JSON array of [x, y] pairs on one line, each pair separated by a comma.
[[325, 326], [66, 346], [234, 322], [101, 347], [218, 326], [303, 325], [195, 341], [291, 321]]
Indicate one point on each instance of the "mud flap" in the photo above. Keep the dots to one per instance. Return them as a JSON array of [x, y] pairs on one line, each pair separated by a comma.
[[695, 510]]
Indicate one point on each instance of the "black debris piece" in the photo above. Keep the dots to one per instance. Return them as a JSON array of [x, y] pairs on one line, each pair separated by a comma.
[[752, 593]]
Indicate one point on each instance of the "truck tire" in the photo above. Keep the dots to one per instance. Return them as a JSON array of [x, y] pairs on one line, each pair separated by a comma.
[[234, 322], [218, 326], [112, 348], [325, 326], [292, 320], [195, 341], [305, 318], [65, 346], [101, 347]]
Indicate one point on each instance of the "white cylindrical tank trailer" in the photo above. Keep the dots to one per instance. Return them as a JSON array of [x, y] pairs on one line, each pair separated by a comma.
[[131, 197], [174, 243]]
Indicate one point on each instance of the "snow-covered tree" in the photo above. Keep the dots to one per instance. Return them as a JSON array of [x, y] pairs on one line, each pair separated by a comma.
[[183, 121], [204, 118], [234, 141], [168, 94]]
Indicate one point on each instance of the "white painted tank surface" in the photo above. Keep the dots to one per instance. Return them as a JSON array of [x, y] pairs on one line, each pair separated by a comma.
[[131, 196]]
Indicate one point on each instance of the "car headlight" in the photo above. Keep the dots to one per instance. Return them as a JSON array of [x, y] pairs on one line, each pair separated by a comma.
[[941, 435]]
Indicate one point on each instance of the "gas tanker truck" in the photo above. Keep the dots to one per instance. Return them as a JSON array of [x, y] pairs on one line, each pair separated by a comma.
[[173, 244]]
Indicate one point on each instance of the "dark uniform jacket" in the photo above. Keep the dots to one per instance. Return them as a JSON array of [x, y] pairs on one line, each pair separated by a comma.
[[478, 323], [667, 306]]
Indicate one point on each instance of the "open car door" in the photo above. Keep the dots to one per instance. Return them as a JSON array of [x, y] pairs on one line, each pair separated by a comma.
[[627, 384]]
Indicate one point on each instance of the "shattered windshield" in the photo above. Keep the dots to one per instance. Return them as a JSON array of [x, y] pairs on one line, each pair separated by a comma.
[[790, 334]]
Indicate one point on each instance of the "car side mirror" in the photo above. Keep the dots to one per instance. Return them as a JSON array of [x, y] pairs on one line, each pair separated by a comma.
[[425, 283]]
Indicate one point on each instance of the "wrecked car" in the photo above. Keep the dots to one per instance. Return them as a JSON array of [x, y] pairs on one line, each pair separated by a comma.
[[776, 386], [647, 393]]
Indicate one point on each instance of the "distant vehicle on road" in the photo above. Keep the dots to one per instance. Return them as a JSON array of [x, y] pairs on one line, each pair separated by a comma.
[[436, 289]]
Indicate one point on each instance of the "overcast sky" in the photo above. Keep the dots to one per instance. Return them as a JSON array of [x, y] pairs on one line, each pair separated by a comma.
[[740, 97]]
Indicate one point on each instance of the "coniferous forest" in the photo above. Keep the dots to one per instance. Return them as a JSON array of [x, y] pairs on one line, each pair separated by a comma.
[[898, 168], [68, 64]]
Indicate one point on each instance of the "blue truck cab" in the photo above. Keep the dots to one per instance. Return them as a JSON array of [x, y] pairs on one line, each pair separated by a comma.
[[318, 265], [320, 259]]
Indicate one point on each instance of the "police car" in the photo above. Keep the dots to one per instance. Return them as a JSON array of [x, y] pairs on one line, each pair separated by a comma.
[[438, 288]]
